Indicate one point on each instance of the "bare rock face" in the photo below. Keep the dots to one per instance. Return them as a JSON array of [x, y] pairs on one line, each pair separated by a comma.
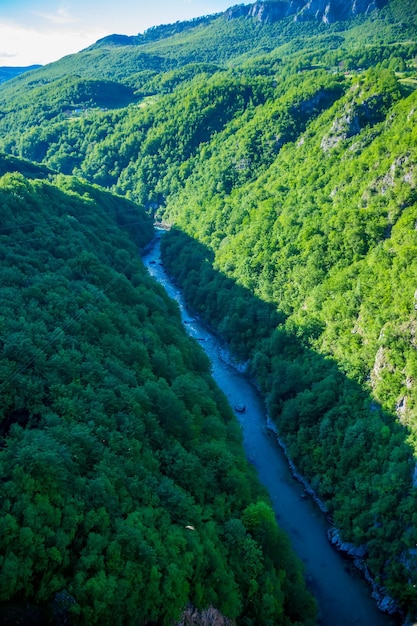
[[350, 549], [385, 603], [329, 11], [269, 11], [321, 10], [363, 6], [326, 11], [208, 617], [264, 11], [344, 126]]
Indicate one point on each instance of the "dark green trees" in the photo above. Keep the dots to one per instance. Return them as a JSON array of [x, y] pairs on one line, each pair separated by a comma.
[[123, 473]]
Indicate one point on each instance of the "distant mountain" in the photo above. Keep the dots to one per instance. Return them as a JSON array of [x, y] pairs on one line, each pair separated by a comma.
[[6, 73], [326, 11], [155, 33]]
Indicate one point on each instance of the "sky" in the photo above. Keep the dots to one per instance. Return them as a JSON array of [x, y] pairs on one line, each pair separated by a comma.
[[42, 31]]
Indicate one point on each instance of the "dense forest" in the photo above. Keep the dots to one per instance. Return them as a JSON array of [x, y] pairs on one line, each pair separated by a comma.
[[126, 495], [283, 154]]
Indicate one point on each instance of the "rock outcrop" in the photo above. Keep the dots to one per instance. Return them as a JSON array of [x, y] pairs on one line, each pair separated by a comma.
[[344, 126], [327, 11], [384, 602], [350, 549], [208, 617]]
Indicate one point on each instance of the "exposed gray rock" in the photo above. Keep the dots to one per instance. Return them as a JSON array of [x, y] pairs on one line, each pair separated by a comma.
[[350, 549], [239, 10], [326, 11], [356, 115], [269, 11], [329, 11], [344, 126], [381, 364], [316, 9], [207, 617], [363, 6], [384, 602]]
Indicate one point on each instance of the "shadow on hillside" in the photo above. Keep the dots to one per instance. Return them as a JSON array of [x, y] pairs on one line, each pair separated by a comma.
[[354, 454]]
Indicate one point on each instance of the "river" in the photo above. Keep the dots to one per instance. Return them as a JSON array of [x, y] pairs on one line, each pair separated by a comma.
[[343, 596]]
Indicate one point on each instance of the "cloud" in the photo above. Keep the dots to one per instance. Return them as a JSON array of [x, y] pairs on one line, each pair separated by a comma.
[[7, 55], [29, 46], [62, 16]]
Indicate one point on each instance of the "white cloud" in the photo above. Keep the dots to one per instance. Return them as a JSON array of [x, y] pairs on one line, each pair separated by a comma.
[[61, 16], [7, 55], [51, 30], [28, 46]]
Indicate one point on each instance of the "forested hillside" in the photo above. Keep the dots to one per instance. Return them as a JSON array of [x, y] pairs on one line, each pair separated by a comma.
[[126, 495], [284, 154]]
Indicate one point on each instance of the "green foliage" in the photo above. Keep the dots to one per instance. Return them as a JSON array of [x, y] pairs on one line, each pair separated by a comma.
[[353, 452], [121, 462], [285, 155]]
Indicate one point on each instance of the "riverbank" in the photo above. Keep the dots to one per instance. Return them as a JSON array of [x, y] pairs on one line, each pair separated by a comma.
[[344, 597]]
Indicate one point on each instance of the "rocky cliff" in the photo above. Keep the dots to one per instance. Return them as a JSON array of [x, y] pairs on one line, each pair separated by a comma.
[[326, 11]]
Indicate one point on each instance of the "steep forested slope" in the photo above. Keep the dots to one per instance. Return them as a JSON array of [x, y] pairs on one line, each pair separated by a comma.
[[327, 235], [284, 153], [125, 491]]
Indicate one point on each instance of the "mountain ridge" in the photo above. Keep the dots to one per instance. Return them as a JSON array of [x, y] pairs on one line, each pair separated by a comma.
[[326, 11], [263, 11]]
